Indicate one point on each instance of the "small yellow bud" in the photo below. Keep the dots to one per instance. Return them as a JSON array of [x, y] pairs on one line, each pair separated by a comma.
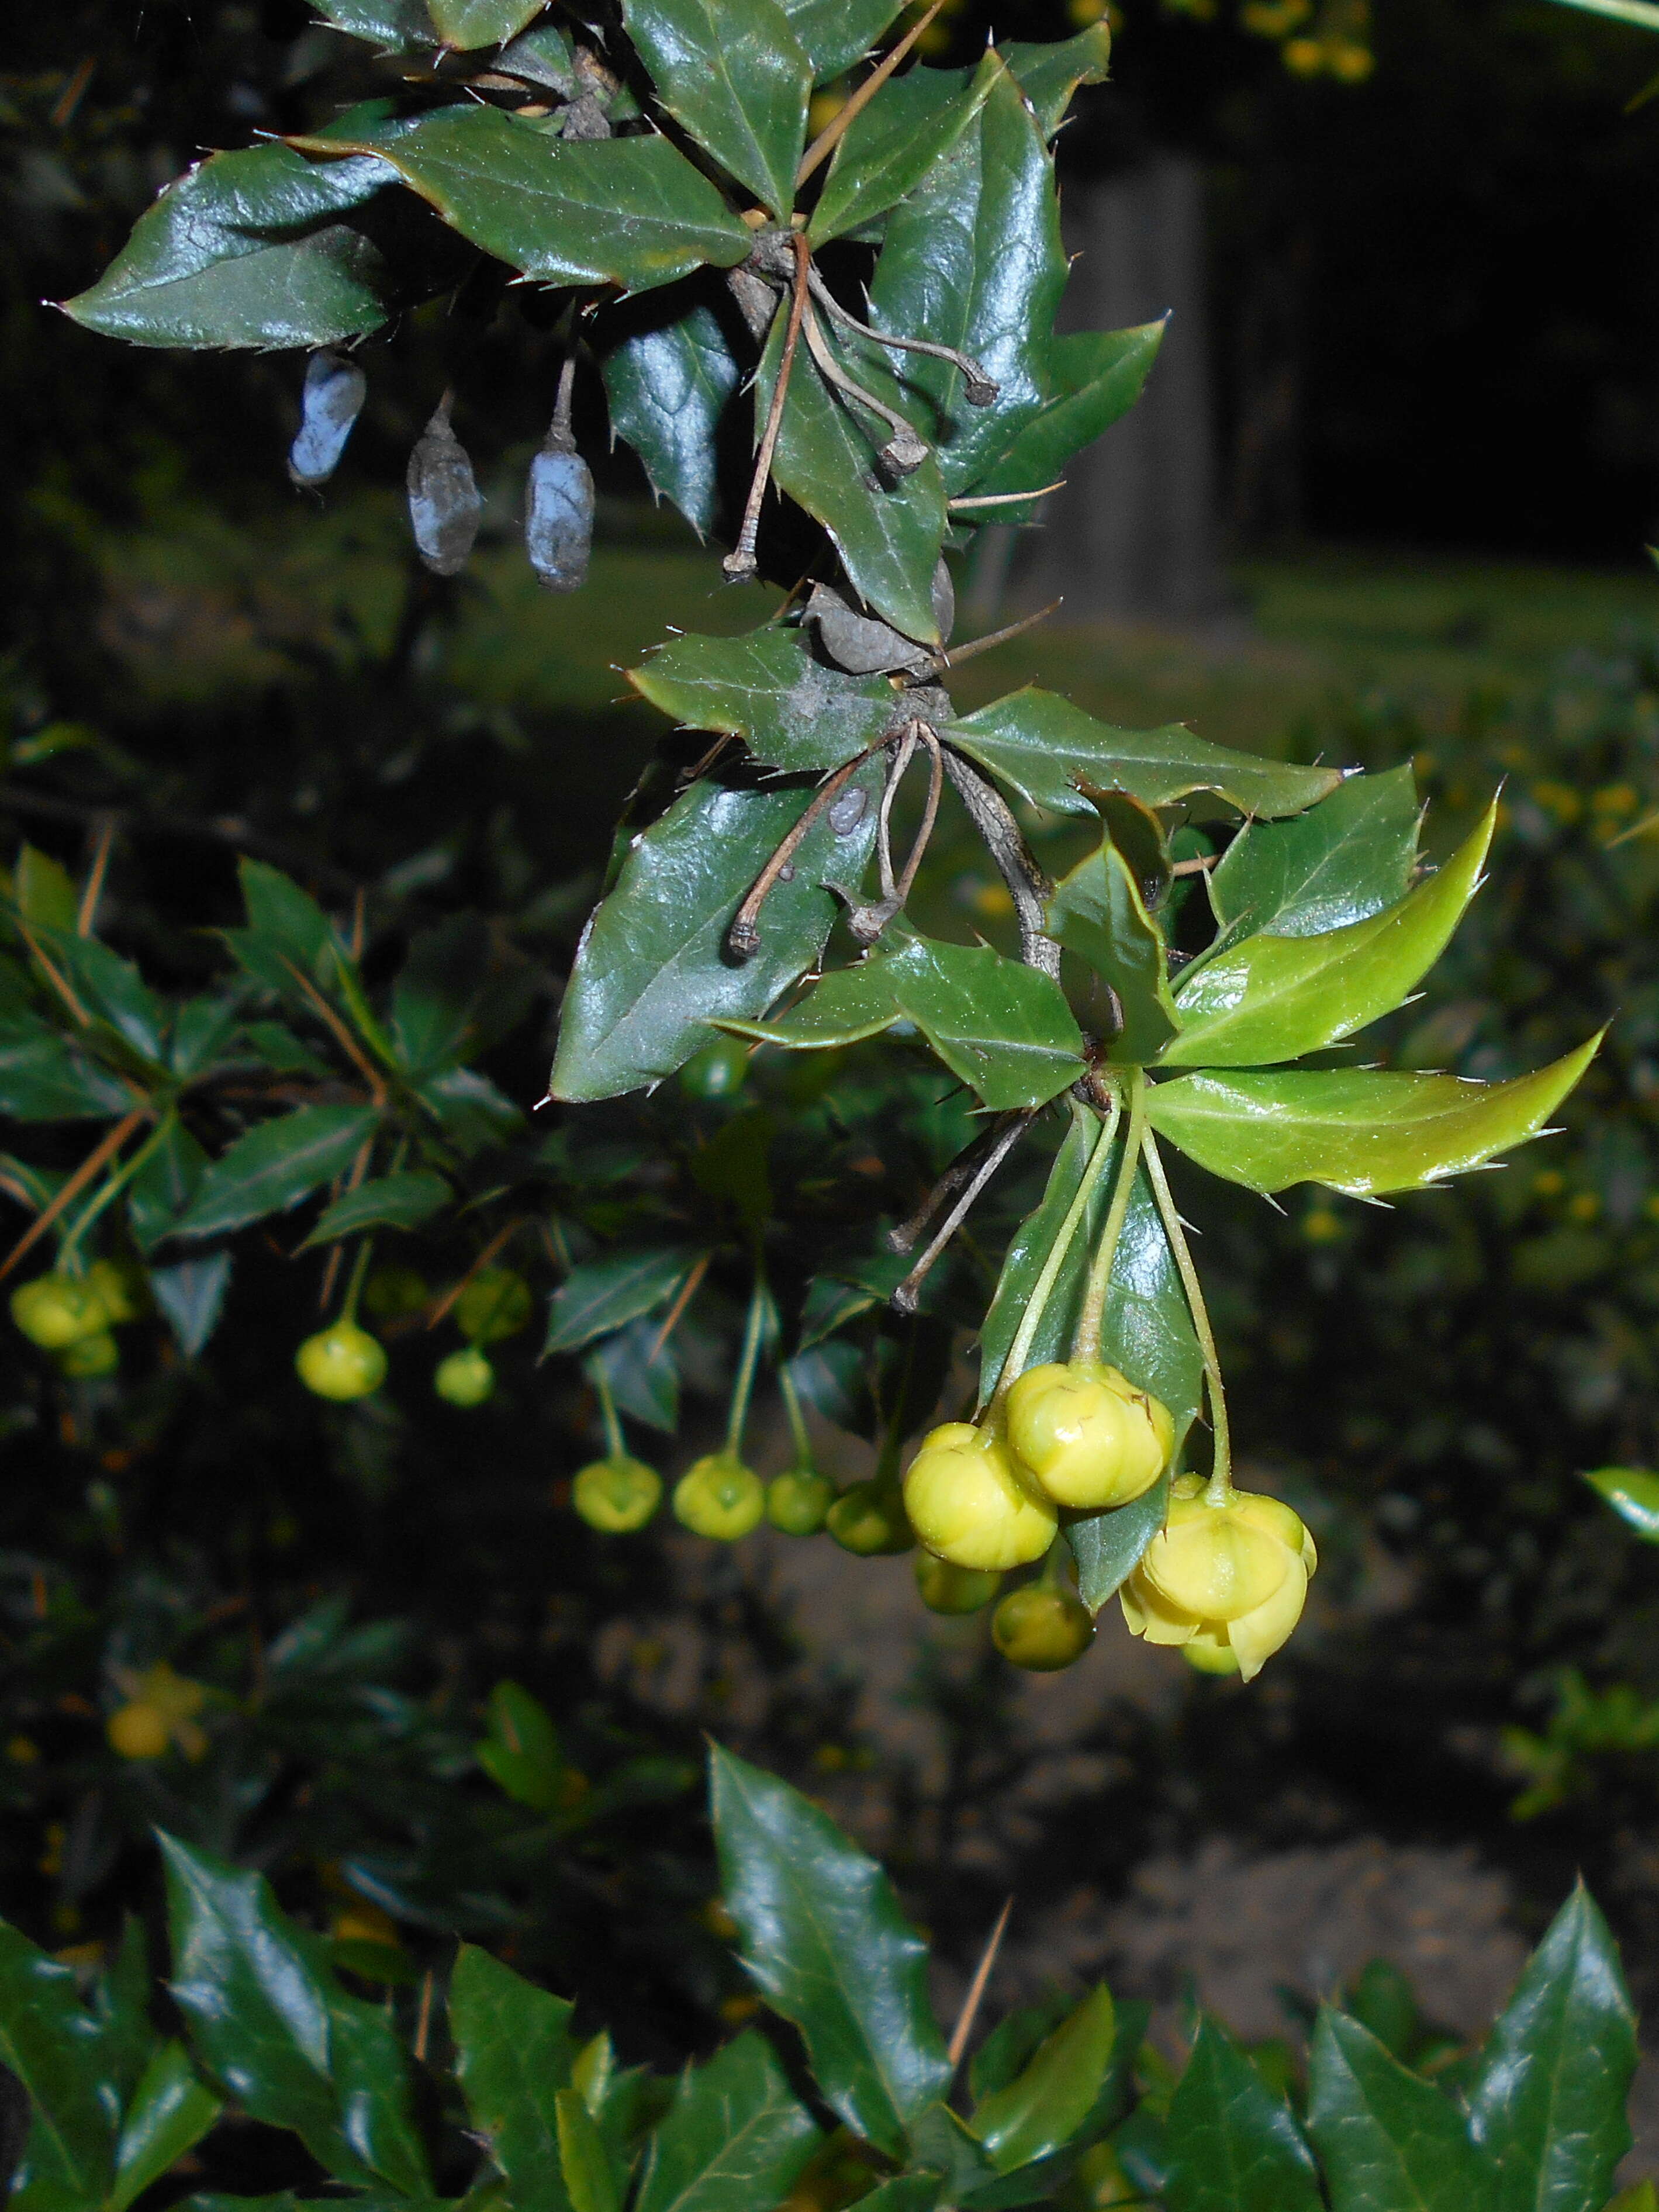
[[945, 1589], [1041, 1630], [970, 1502], [136, 1731], [1229, 1577], [719, 1497], [616, 1495], [1091, 1438]]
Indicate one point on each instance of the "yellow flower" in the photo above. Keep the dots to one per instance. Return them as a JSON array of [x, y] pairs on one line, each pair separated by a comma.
[[159, 1712], [1224, 1581]]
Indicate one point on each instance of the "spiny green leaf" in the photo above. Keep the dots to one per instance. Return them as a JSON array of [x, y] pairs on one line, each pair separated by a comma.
[[836, 32], [633, 212], [468, 23], [50, 2042], [1108, 1547], [1095, 377], [393, 1201], [1547, 2105], [1274, 998], [371, 2072], [169, 2113], [736, 2136], [668, 384], [43, 1077], [1041, 2111], [393, 24], [791, 711], [1046, 748], [1633, 1494], [1098, 912], [606, 1294], [1232, 2146], [1344, 861], [1389, 2141], [893, 142], [513, 2053], [1049, 74], [275, 1166], [1360, 1131], [737, 81], [824, 1938]]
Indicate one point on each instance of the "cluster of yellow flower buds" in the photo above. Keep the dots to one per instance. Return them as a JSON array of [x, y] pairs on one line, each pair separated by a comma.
[[1079, 1436], [1227, 1580]]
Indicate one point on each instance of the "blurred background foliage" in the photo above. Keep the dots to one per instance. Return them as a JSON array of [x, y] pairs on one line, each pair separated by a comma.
[[1433, 330]]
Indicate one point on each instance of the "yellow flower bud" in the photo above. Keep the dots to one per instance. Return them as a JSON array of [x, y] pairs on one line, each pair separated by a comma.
[[1041, 1630], [1090, 1438], [969, 1504], [1229, 1578], [719, 1497]]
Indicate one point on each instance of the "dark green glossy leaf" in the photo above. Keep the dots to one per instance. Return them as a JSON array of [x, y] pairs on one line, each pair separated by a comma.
[[1389, 2140], [735, 2137], [1028, 1251], [791, 711], [201, 1031], [628, 211], [1361, 1131], [393, 24], [1344, 861], [825, 1939], [257, 2006], [1232, 2146], [1001, 1026], [288, 921], [469, 1109], [1098, 912], [1095, 378], [652, 974], [191, 1297], [469, 23], [275, 1166], [836, 32], [737, 81], [121, 1999], [44, 1079], [642, 1374], [904, 2192], [521, 1753], [602, 1295], [460, 990], [170, 2112], [1108, 1546], [888, 535], [584, 2162], [1049, 73], [668, 386], [51, 2042], [111, 989], [513, 2053], [1547, 2104], [1148, 1331], [944, 2143], [163, 1186], [894, 142], [1042, 2108], [1045, 748], [393, 1201], [241, 252], [1633, 1494], [1273, 998], [946, 273], [372, 2082]]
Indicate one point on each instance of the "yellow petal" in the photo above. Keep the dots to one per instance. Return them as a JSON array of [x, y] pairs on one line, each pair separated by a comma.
[[1257, 1636], [1216, 1566], [1148, 1614]]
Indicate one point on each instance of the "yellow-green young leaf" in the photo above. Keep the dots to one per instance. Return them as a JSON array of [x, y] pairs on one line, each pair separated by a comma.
[[169, 2113], [1232, 2146], [513, 2054], [1044, 2107], [735, 2137], [629, 211], [790, 710], [468, 23], [1643, 2197], [893, 142], [583, 2160], [1389, 2140], [1633, 1494], [737, 79], [1275, 997], [45, 891], [1098, 912], [1360, 1131], [1344, 861]]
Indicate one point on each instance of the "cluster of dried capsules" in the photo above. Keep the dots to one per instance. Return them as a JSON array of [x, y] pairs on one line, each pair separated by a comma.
[[445, 504]]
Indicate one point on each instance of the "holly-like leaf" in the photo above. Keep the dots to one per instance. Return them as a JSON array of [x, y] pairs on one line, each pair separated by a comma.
[[43, 1077], [403, 1201], [191, 1297], [513, 2053], [791, 711], [1389, 2141], [50, 2043], [603, 1295], [1273, 998], [1108, 1547], [888, 534], [458, 991], [241, 252], [584, 2162], [735, 2136], [946, 274], [1099, 913], [1095, 378], [838, 32], [468, 23], [256, 2004], [1547, 2105], [372, 2083], [169, 2113], [1350, 857], [739, 82], [633, 212], [1049, 73], [110, 990], [825, 1939], [1001, 1026], [893, 142], [668, 384], [1232, 2145], [1045, 749], [1147, 1329], [1633, 1494], [521, 1754], [394, 25], [652, 974], [1358, 1130], [1042, 2108], [275, 1166], [1029, 1250]]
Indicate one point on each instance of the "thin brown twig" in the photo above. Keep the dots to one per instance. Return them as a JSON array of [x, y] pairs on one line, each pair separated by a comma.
[[905, 1297], [907, 449], [961, 1169], [87, 915], [1001, 637], [97, 1158], [740, 564], [502, 1238], [1003, 498], [59, 983], [688, 1292], [839, 124], [743, 936], [971, 2002], [422, 2026], [978, 381], [342, 1035]]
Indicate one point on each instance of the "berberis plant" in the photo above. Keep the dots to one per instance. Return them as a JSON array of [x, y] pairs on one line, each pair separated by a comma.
[[872, 310]]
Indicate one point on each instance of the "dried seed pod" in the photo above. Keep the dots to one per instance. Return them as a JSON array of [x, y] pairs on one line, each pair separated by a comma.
[[858, 643], [558, 524], [903, 453], [979, 390], [945, 600], [331, 401], [444, 504]]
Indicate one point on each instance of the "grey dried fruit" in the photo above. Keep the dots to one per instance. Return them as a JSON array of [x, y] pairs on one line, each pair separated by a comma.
[[331, 401], [444, 504], [558, 527]]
